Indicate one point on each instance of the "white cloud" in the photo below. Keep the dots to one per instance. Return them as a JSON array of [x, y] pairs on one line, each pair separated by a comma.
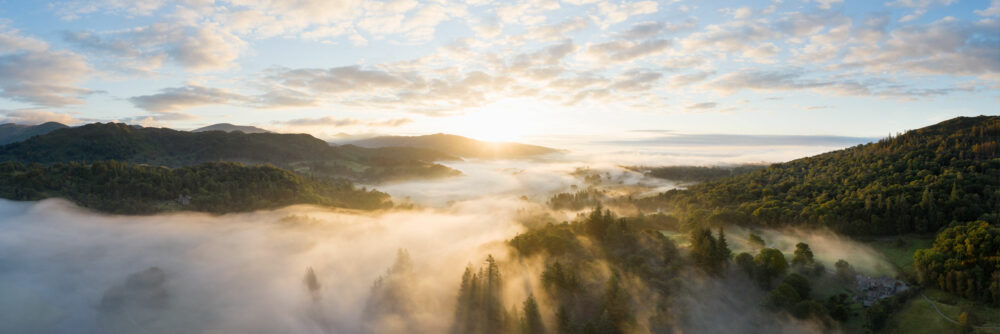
[[32, 73]]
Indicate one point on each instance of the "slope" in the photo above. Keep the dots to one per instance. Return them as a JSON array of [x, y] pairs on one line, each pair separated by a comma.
[[915, 182], [10, 132]]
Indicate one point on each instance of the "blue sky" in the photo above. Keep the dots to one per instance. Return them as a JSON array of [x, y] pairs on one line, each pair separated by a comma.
[[502, 70]]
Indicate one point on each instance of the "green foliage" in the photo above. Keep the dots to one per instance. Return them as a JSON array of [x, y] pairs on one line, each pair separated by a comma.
[[552, 239], [710, 253], [576, 255], [575, 201], [965, 260], [803, 255], [915, 182], [697, 173], [119, 187], [769, 264]]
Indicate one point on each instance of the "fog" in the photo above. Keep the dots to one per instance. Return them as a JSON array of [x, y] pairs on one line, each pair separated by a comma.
[[66, 270], [306, 269]]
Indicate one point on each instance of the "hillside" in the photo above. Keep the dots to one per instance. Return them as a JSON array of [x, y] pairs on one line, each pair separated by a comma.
[[919, 181], [459, 146], [117, 187], [171, 148], [226, 127], [10, 132]]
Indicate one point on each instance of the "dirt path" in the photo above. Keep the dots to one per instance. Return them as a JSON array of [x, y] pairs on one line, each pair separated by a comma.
[[950, 319]]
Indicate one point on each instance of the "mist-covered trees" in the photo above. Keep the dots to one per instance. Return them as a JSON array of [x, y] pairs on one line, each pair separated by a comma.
[[710, 253], [965, 260], [585, 297], [120, 187]]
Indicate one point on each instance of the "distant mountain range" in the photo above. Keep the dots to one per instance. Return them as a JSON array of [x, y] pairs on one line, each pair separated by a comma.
[[459, 146], [10, 132], [226, 127], [300, 153]]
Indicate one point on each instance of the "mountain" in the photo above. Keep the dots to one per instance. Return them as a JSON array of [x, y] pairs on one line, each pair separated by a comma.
[[459, 146], [10, 132], [226, 127], [919, 181], [118, 187], [301, 153]]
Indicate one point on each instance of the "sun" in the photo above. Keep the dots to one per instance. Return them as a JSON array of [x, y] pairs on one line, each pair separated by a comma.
[[505, 121]]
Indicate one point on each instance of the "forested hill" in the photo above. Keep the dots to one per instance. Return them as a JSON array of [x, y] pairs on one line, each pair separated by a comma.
[[165, 147], [919, 181], [459, 146], [10, 132], [118, 187]]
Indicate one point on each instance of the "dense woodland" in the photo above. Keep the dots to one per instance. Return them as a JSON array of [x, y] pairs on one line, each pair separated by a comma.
[[919, 181], [696, 174], [301, 153], [120, 187], [965, 261]]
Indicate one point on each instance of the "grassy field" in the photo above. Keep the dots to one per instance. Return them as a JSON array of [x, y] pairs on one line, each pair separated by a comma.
[[899, 250], [918, 316]]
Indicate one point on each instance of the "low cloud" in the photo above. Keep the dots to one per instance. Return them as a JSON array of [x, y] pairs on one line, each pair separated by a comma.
[[747, 140], [345, 122]]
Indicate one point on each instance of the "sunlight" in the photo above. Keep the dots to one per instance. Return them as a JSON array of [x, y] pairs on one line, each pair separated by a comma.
[[504, 121]]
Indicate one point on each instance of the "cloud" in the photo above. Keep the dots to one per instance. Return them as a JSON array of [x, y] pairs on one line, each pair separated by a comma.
[[344, 122], [32, 73], [944, 47], [992, 11], [36, 116], [702, 106], [624, 51], [202, 48], [687, 79], [169, 101], [610, 13], [322, 121]]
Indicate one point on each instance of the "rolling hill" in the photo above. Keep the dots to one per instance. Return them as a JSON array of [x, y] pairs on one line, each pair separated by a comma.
[[301, 153], [459, 146], [10, 132], [226, 127], [919, 181], [118, 187]]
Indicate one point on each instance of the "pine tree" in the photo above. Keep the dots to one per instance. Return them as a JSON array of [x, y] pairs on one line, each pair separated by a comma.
[[531, 321]]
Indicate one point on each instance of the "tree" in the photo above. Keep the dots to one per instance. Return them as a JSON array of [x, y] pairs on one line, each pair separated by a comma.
[[617, 304], [531, 322], [845, 272], [770, 264], [803, 255], [755, 241]]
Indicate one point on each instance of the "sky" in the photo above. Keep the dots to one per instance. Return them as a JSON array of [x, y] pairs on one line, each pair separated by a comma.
[[503, 70]]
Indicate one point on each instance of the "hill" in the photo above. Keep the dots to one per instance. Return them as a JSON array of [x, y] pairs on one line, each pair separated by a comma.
[[301, 153], [226, 127], [10, 132], [919, 181], [118, 187], [459, 146]]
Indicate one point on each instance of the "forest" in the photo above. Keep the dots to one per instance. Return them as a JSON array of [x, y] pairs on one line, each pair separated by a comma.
[[216, 187], [919, 181]]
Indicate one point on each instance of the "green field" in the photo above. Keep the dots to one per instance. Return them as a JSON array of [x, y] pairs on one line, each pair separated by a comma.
[[899, 250]]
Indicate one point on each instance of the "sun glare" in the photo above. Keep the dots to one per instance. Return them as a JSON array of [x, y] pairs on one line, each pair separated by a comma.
[[505, 121]]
